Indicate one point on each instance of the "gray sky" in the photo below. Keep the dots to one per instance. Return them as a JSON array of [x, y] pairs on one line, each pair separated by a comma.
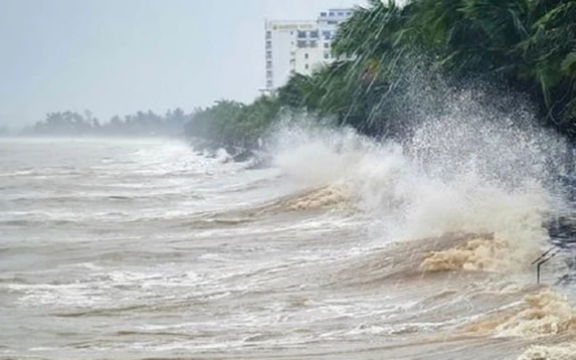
[[121, 56]]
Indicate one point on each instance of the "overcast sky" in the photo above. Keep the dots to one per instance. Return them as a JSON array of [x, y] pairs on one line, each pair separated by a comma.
[[121, 56]]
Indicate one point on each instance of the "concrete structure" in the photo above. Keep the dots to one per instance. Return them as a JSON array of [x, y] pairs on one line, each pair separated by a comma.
[[299, 46]]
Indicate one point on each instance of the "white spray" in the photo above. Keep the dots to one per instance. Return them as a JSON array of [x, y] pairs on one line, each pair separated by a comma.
[[467, 170]]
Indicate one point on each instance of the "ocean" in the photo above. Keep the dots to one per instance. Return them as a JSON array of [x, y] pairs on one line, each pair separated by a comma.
[[342, 248]]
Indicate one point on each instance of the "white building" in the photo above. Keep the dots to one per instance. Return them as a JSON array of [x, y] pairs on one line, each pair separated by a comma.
[[299, 46]]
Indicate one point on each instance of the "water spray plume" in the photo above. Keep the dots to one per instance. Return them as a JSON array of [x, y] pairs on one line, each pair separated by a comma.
[[467, 169]]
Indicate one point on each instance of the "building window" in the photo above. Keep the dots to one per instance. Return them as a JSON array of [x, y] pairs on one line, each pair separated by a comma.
[[306, 56], [313, 44], [268, 34], [268, 54], [301, 44], [327, 35], [323, 14], [314, 34], [340, 13], [326, 45], [268, 64], [268, 44], [349, 13], [269, 84], [301, 34], [326, 56], [332, 22], [269, 74], [306, 66], [331, 13]]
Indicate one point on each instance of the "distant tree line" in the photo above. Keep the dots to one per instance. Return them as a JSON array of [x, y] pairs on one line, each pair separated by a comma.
[[386, 52], [140, 124]]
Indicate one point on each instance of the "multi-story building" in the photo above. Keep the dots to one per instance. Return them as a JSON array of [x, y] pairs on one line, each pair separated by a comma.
[[299, 46]]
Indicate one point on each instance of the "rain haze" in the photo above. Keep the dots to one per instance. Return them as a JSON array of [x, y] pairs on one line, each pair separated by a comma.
[[119, 57]]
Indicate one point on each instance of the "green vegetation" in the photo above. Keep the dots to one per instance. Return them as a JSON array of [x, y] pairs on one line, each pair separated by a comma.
[[70, 123], [232, 123], [525, 47]]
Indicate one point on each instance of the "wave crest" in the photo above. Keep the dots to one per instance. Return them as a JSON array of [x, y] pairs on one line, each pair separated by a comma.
[[481, 254], [540, 314]]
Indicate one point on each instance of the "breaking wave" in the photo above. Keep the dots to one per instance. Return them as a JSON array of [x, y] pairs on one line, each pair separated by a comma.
[[540, 313], [456, 173]]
